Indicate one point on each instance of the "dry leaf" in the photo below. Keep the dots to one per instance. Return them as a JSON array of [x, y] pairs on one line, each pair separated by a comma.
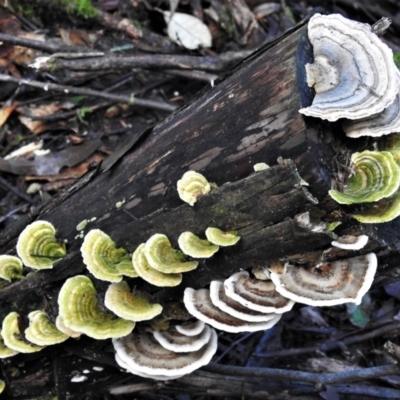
[[5, 113], [187, 30]]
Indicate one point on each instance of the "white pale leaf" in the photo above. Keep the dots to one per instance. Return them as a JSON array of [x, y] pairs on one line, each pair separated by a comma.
[[187, 30]]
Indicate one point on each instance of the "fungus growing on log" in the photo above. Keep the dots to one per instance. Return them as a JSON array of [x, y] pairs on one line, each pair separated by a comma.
[[353, 73], [220, 238], [190, 328], [142, 354], [5, 351], [384, 210], [133, 306], [199, 304], [80, 311], [376, 176], [13, 338], [151, 275], [349, 242], [62, 328], [42, 331], [37, 246], [257, 294], [10, 268], [2, 386], [193, 246], [162, 257], [172, 339], [103, 259], [191, 186], [343, 281]]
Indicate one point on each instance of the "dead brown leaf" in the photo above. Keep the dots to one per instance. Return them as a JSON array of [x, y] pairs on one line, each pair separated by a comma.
[[5, 112]]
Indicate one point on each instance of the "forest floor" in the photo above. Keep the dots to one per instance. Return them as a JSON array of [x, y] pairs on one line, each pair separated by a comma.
[[62, 115]]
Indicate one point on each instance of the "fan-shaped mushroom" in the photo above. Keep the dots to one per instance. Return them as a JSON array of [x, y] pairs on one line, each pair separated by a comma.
[[195, 247], [191, 186]]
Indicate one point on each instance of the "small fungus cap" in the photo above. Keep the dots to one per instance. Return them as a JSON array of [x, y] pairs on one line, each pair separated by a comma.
[[344, 281], [349, 242], [191, 186], [162, 257], [79, 309], [10, 267], [131, 306], [220, 238], [151, 275], [190, 328], [37, 246], [199, 304], [141, 352], [13, 337], [195, 247], [103, 259], [5, 351], [353, 73], [42, 331], [260, 295], [62, 328]]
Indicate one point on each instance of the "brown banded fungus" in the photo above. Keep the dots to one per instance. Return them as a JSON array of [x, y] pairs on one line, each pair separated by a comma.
[[199, 304], [80, 311], [151, 275], [353, 73], [37, 246], [190, 328], [191, 186], [142, 354], [257, 294], [10, 268], [133, 306], [338, 282], [103, 259]]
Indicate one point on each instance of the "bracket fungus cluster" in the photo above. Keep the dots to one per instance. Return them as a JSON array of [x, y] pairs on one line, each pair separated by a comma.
[[11, 267], [164, 355]]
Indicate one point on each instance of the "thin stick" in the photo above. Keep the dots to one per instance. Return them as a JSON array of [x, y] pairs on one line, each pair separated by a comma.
[[11, 188], [157, 105]]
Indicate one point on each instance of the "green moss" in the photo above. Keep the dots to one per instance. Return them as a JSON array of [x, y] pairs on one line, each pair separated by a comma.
[[83, 8]]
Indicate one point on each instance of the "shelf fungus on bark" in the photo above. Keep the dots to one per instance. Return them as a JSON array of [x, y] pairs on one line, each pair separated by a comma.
[[38, 247], [376, 176], [133, 306], [42, 331], [171, 339], [151, 275], [103, 259], [337, 282], [226, 304], [199, 304], [13, 338], [190, 328], [221, 238], [64, 329], [80, 311], [10, 268], [384, 123], [162, 257], [349, 242], [141, 354], [193, 246], [257, 294], [353, 73], [5, 351], [2, 386], [191, 186]]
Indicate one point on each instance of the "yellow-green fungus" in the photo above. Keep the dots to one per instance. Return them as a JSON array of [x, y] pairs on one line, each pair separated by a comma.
[[62, 328], [376, 176], [221, 238], [10, 267], [103, 259], [193, 246], [2, 386], [150, 274], [133, 306], [80, 311], [162, 257], [37, 246], [13, 337], [191, 186], [42, 331], [5, 351]]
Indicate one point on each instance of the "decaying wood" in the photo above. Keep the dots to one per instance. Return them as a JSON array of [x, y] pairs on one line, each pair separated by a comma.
[[250, 116]]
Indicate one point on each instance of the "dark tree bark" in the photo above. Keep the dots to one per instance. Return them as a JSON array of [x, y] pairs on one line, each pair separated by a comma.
[[250, 116]]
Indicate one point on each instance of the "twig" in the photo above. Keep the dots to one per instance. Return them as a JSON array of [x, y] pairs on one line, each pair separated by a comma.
[[12, 212], [11, 188], [310, 377], [193, 74], [327, 346], [235, 343], [157, 105]]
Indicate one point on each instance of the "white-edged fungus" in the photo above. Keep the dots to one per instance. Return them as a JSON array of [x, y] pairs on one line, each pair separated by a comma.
[[349, 242], [257, 294], [339, 282], [199, 304], [191, 186], [195, 247], [353, 73], [190, 328], [220, 238]]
